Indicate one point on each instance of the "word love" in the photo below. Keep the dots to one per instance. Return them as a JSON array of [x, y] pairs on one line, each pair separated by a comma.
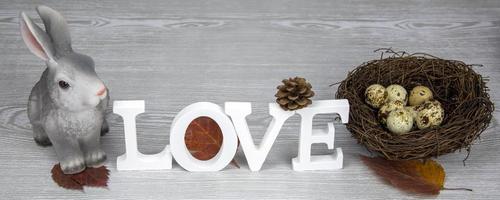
[[233, 125]]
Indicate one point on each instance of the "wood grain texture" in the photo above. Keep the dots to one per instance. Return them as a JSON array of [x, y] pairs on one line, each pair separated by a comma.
[[174, 53]]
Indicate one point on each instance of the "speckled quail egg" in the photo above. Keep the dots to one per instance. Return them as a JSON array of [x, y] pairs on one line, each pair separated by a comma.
[[430, 114], [384, 111], [375, 95], [413, 110], [400, 121], [419, 95], [396, 92]]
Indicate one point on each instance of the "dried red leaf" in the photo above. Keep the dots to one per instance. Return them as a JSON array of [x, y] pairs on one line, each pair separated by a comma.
[[203, 138], [64, 180], [95, 177]]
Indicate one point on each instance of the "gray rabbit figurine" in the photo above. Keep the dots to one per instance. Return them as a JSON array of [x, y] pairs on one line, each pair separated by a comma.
[[67, 105]]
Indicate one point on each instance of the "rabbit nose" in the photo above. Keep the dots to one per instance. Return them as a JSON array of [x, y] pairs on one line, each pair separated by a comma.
[[101, 91]]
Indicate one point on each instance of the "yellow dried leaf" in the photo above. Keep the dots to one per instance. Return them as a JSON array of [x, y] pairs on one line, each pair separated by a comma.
[[429, 170], [423, 177]]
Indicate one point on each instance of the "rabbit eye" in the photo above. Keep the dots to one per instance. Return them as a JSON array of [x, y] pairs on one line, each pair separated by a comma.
[[63, 84]]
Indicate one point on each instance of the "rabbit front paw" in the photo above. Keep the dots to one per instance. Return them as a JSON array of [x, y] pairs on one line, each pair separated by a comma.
[[95, 158], [73, 165]]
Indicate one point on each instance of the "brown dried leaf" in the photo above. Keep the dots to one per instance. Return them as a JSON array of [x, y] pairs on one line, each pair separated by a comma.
[[429, 170], [423, 177], [96, 177], [204, 138], [64, 180]]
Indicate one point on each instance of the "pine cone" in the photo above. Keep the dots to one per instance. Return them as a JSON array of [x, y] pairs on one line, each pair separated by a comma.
[[294, 93]]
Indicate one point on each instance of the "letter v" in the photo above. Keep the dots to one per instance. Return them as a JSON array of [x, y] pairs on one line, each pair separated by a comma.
[[256, 155]]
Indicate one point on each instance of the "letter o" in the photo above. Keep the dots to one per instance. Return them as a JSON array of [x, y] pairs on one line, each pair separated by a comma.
[[178, 130]]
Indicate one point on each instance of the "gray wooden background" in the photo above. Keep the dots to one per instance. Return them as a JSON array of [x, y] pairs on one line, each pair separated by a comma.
[[174, 53]]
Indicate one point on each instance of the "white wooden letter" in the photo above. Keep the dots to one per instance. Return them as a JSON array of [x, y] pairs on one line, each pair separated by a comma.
[[133, 159], [178, 131], [308, 136], [256, 155]]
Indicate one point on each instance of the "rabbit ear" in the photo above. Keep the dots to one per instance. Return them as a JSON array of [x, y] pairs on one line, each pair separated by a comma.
[[35, 38], [56, 28]]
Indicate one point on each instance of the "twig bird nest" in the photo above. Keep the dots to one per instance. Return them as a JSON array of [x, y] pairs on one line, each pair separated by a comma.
[[462, 92]]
